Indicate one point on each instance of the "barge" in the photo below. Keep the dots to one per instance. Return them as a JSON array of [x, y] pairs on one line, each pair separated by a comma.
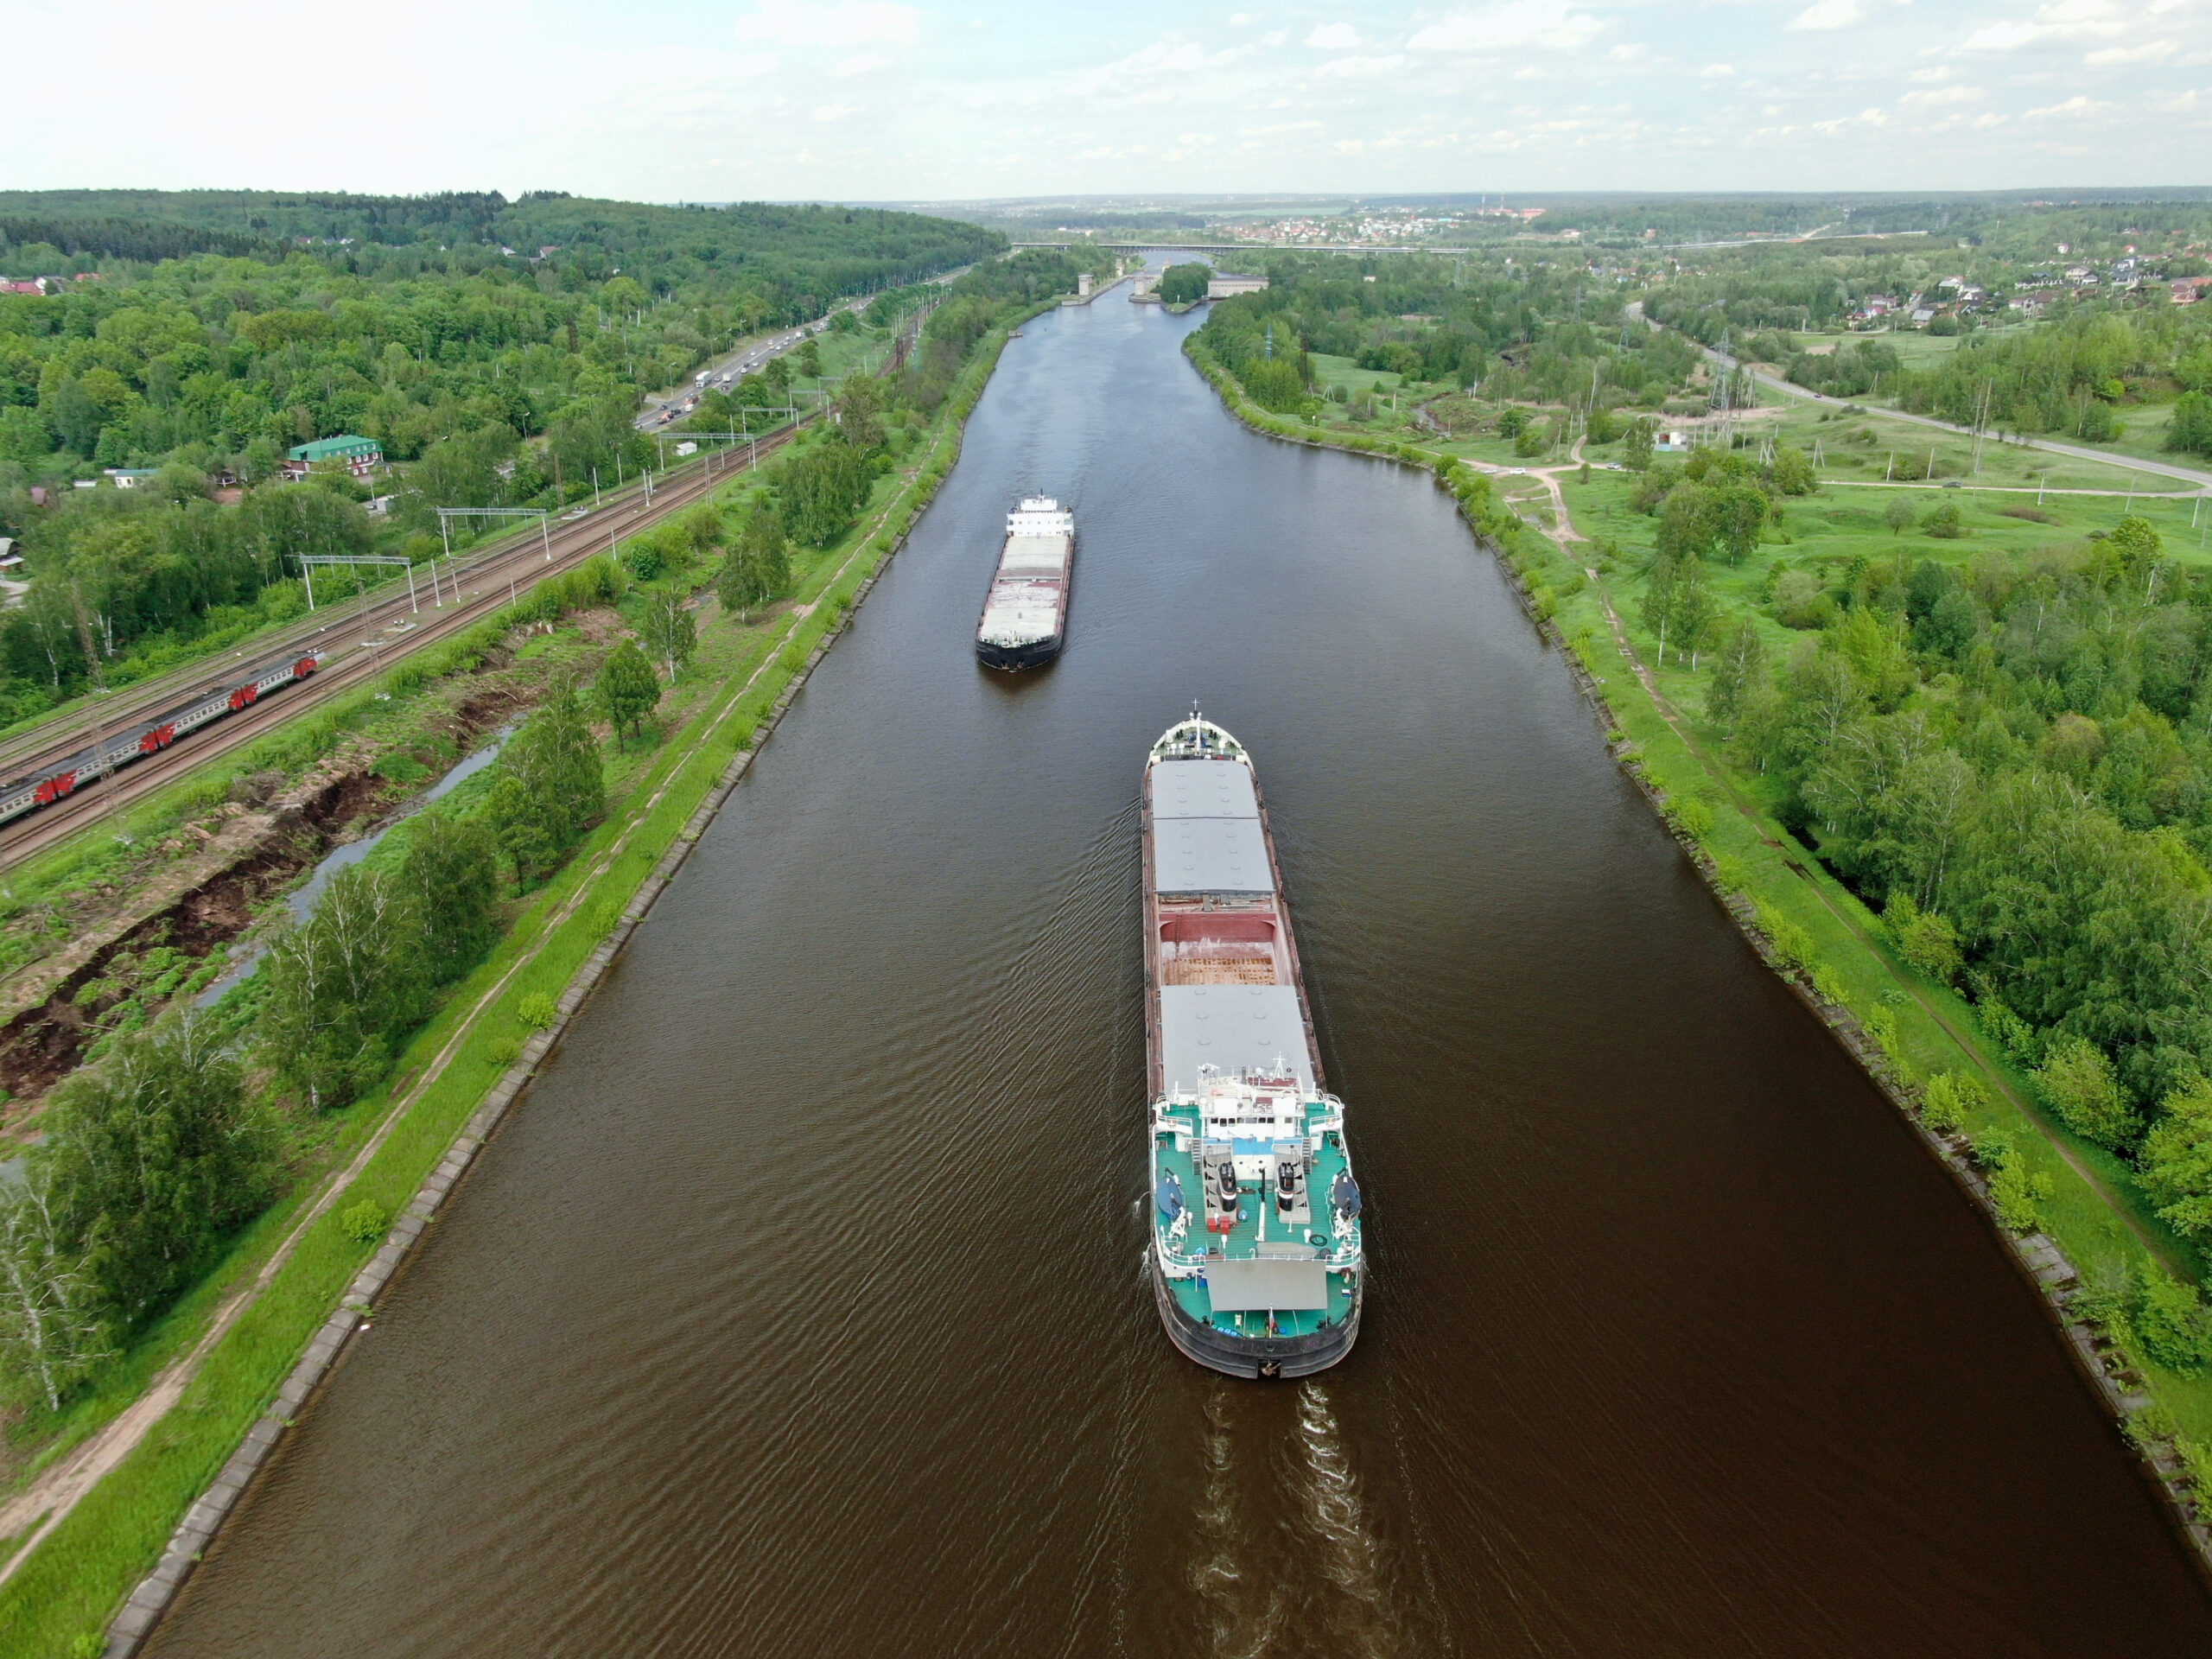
[[1025, 614], [1255, 1252]]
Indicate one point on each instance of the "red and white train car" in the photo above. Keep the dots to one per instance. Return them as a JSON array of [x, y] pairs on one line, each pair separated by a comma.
[[52, 781]]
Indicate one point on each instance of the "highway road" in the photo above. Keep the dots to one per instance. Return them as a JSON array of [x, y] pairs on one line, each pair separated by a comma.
[[661, 412]]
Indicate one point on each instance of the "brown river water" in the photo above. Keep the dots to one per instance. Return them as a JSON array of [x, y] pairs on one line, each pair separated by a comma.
[[799, 1308]]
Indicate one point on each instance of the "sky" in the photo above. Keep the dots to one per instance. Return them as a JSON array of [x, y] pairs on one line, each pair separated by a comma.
[[879, 99]]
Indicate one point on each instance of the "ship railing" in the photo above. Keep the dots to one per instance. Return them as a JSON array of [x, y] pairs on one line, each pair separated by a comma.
[[1343, 1254]]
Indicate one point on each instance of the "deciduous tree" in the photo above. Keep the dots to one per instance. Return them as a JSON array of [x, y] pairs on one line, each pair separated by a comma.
[[628, 687]]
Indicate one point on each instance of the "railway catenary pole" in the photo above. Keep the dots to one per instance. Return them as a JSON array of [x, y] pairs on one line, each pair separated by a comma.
[[56, 821]]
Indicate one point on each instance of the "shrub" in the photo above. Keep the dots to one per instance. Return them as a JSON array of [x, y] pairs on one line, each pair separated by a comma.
[[1694, 817], [2014, 1035], [538, 1011], [1943, 522], [1793, 945], [2177, 1158], [366, 1222], [2196, 1464], [2078, 1083], [2171, 1321], [1950, 1098], [2016, 1196], [1924, 938]]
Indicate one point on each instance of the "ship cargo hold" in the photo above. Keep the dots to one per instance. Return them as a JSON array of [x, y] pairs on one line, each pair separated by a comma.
[[1255, 1250], [1025, 614]]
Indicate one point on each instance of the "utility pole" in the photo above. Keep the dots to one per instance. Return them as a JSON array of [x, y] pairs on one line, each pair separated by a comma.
[[99, 691]]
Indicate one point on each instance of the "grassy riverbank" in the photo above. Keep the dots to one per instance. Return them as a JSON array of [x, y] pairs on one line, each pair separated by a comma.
[[1907, 1027], [62, 1597]]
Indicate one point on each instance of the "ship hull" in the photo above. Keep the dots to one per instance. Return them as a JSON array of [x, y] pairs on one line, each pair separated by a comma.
[[1262, 1358], [1015, 659]]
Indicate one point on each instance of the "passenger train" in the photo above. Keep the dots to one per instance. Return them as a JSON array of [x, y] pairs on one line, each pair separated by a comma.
[[51, 782]]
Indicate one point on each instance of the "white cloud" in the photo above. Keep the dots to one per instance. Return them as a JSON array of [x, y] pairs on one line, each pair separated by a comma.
[[1628, 52], [2062, 20], [1875, 117], [2072, 108], [1519, 23], [1143, 74], [1717, 71], [1936, 97], [2149, 51], [835, 111], [1239, 19], [866, 64], [1828, 14], [2001, 37], [1940, 72], [1361, 68], [1333, 37], [848, 24]]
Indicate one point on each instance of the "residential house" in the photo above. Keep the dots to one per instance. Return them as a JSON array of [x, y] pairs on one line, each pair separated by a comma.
[[129, 477]]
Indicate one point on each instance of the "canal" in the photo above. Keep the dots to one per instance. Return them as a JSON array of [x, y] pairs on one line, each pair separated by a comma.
[[798, 1309]]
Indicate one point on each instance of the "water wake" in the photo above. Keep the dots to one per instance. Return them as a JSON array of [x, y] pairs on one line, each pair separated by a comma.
[[1342, 1548], [1243, 1613]]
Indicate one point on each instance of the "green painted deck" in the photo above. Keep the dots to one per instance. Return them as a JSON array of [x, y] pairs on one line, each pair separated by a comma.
[[1242, 1240]]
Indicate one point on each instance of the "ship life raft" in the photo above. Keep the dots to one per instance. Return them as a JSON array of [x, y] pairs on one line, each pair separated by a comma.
[[1255, 1247], [1025, 614]]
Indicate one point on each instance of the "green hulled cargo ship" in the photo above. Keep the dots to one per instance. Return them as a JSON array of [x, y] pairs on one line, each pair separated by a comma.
[[1255, 1252]]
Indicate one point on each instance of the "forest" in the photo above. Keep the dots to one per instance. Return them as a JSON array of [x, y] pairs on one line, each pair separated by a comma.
[[1503, 329], [500, 372]]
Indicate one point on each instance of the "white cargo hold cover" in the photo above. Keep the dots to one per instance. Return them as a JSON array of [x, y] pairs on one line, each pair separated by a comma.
[[1239, 1285], [1232, 1028], [1041, 556], [1210, 855], [1202, 789]]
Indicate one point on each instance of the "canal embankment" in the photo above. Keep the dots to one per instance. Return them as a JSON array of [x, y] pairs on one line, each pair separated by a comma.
[[2081, 1229], [300, 1285]]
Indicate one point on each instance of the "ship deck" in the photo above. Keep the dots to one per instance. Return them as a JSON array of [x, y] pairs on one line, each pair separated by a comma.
[[1243, 1242]]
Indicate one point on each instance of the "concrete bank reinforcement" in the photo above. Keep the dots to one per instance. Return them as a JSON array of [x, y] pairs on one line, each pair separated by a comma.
[[2038, 1259]]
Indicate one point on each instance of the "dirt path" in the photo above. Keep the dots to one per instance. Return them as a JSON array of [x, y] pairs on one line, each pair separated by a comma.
[[52, 1495]]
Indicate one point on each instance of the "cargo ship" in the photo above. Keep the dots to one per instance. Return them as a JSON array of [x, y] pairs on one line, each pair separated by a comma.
[[1255, 1249], [1026, 614]]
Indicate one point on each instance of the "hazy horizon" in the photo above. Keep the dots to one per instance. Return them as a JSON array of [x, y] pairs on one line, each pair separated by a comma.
[[881, 100]]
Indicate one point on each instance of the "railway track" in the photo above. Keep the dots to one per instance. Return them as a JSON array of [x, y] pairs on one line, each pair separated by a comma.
[[361, 640]]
